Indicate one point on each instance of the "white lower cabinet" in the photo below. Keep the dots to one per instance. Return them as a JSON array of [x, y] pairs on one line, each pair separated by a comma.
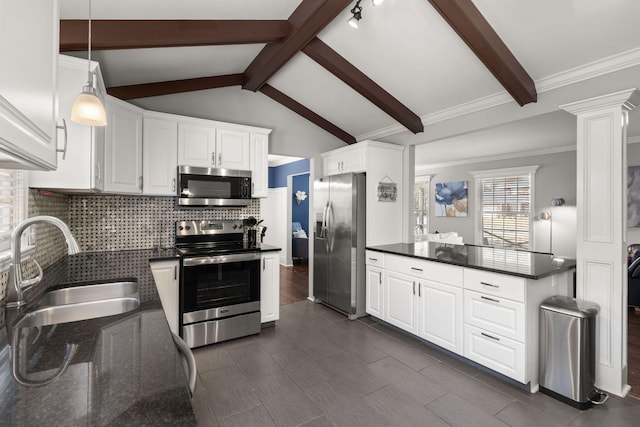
[[166, 274], [440, 315], [489, 318], [400, 304], [501, 354], [374, 291], [270, 287]]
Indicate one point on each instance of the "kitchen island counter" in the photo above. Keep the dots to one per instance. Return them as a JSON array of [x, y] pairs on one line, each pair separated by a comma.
[[530, 265], [126, 369]]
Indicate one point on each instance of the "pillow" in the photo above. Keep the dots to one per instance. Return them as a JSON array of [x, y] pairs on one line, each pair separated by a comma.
[[296, 226], [301, 234]]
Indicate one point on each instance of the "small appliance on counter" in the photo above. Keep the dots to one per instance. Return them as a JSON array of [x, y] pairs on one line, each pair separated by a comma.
[[219, 282]]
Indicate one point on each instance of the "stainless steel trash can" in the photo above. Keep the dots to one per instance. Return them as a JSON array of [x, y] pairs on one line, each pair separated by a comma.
[[567, 351]]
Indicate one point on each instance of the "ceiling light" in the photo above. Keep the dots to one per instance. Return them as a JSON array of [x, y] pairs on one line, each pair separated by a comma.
[[376, 2], [87, 108], [357, 15]]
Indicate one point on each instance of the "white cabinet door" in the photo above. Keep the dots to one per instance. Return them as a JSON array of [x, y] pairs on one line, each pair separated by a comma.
[[375, 296], [166, 276], [28, 80], [232, 149], [344, 160], [331, 165], [440, 314], [270, 288], [123, 151], [160, 156], [82, 167], [259, 152], [400, 301], [197, 145]]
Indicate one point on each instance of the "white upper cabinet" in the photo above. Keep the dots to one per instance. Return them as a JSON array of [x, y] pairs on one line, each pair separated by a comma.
[[259, 152], [81, 166], [196, 145], [232, 149], [123, 152], [28, 80], [160, 155]]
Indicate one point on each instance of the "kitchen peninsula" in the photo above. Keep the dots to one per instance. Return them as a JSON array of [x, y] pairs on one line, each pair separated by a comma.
[[475, 301]]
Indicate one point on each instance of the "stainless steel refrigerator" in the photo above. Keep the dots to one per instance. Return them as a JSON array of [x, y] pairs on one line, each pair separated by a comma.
[[339, 243]]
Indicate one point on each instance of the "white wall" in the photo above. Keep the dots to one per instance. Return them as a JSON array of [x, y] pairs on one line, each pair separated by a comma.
[[556, 177], [273, 211]]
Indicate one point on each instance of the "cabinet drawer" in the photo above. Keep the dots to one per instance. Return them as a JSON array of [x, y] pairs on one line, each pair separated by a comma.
[[374, 258], [434, 271], [496, 315], [495, 352], [495, 284]]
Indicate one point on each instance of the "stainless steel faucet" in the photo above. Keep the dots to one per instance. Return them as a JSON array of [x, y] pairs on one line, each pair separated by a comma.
[[16, 284]]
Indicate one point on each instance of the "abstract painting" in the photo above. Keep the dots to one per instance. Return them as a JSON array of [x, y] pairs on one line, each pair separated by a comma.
[[451, 199], [633, 196]]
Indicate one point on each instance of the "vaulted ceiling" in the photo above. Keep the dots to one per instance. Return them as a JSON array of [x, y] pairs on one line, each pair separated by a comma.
[[410, 63]]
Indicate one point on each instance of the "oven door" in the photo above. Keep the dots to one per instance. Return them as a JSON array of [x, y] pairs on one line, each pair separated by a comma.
[[215, 287]]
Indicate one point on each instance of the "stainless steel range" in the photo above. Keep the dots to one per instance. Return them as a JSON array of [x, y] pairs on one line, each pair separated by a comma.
[[220, 282]]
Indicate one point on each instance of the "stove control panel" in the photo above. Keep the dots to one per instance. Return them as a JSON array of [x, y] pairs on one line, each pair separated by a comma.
[[205, 227]]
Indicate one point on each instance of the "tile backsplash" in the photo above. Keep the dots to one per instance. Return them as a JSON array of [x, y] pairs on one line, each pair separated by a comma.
[[111, 223]]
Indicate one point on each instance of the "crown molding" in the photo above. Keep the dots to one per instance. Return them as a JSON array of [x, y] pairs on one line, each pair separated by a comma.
[[610, 64], [506, 156]]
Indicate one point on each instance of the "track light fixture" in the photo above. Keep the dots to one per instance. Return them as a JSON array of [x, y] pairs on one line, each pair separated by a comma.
[[356, 11]]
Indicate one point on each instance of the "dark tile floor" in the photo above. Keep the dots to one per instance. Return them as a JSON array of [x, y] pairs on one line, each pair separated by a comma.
[[315, 368]]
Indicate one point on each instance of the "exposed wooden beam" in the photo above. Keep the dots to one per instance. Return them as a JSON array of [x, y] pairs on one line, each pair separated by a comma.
[[300, 109], [345, 71], [309, 18], [477, 33], [138, 34], [174, 86]]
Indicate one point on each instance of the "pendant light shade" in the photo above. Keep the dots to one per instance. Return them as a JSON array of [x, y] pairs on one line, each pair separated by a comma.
[[87, 108]]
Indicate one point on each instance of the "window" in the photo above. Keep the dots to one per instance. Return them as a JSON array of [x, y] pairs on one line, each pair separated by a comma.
[[13, 198], [505, 198], [421, 206]]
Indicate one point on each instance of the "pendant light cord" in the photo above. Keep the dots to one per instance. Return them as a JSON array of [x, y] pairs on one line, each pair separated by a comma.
[[90, 83]]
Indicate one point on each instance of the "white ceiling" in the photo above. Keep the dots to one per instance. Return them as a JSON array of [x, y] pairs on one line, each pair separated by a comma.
[[408, 49]]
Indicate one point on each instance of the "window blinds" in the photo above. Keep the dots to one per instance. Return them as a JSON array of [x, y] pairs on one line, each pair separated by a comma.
[[505, 213], [12, 204]]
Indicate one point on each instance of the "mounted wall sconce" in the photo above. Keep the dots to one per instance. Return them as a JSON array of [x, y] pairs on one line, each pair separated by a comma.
[[87, 108], [356, 11], [300, 196], [547, 216]]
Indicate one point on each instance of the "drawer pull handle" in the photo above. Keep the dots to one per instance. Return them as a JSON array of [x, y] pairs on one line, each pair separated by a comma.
[[490, 299], [373, 259], [490, 336], [416, 269], [489, 284]]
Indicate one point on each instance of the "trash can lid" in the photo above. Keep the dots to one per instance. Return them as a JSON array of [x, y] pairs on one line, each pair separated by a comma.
[[570, 306]]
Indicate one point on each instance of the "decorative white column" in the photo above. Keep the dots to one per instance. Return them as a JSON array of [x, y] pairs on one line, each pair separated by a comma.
[[602, 226]]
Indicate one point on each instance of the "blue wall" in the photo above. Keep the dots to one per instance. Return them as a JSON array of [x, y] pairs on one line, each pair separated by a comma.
[[300, 212], [278, 175]]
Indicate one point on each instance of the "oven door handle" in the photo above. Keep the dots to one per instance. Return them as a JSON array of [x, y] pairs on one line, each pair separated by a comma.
[[220, 259]]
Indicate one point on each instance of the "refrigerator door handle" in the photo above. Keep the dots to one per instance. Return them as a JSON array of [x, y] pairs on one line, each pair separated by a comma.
[[331, 227], [323, 225]]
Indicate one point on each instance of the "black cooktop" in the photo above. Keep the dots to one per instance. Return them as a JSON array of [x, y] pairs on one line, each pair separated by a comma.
[[215, 249]]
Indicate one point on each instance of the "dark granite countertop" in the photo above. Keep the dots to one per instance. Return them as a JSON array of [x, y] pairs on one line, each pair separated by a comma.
[[126, 370], [531, 265]]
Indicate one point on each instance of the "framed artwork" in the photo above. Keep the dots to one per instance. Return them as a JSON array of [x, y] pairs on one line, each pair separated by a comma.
[[633, 196], [451, 199]]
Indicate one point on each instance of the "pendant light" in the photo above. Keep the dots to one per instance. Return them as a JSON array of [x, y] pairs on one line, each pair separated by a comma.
[[88, 109]]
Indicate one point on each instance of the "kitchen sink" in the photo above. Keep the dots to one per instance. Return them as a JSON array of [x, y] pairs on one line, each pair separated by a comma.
[[83, 302], [89, 292]]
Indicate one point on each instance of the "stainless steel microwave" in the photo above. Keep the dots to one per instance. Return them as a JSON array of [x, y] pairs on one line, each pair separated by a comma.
[[213, 187]]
